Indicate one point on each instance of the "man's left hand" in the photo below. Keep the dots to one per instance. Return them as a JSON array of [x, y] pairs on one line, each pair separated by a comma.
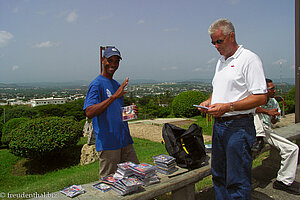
[[136, 109]]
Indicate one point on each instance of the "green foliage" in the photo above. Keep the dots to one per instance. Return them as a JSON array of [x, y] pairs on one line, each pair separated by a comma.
[[50, 110], [1, 125], [182, 105], [144, 100], [73, 108], [291, 95], [153, 110], [9, 126], [42, 137], [289, 106], [82, 122], [129, 100], [17, 112]]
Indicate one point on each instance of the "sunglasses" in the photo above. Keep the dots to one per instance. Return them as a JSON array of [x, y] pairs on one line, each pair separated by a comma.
[[218, 41]]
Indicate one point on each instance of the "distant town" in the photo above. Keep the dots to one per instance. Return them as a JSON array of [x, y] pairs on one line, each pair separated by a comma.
[[42, 94]]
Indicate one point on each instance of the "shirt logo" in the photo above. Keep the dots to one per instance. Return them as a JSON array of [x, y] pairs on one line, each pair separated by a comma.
[[108, 93], [232, 65]]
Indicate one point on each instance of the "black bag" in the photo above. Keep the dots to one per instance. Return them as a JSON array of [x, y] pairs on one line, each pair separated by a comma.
[[187, 146]]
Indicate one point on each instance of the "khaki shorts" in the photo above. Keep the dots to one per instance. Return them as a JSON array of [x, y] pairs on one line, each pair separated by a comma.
[[108, 159]]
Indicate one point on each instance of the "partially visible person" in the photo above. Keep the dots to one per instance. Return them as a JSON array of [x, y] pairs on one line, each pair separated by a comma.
[[238, 88], [103, 104], [269, 114]]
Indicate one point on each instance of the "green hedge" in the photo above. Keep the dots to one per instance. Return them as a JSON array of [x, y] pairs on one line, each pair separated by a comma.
[[182, 105], [9, 126], [42, 137]]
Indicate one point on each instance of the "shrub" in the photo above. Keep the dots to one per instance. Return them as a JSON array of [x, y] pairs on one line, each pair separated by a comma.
[[182, 105], [289, 106], [43, 137], [291, 95], [1, 125], [9, 126]]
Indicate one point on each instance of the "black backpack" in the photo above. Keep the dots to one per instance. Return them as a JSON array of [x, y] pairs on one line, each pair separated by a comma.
[[187, 146]]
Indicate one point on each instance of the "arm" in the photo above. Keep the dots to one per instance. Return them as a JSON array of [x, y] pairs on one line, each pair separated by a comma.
[[273, 113], [97, 109], [249, 102]]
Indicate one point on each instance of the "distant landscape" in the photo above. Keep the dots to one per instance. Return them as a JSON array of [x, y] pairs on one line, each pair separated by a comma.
[[136, 88], [81, 83]]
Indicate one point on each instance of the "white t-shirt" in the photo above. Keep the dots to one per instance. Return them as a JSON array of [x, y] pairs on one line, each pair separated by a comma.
[[238, 77]]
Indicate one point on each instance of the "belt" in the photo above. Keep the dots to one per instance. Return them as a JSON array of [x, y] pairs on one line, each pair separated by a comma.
[[224, 119]]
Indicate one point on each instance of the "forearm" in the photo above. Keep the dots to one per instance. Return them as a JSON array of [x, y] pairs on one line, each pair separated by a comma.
[[262, 110], [99, 108], [250, 102]]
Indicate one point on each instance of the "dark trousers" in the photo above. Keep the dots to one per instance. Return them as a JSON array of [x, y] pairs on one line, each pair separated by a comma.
[[231, 158]]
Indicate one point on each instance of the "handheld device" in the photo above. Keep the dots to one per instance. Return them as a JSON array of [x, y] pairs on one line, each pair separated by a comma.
[[204, 107]]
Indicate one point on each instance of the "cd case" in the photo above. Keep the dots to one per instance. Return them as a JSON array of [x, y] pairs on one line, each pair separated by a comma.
[[128, 113], [73, 190]]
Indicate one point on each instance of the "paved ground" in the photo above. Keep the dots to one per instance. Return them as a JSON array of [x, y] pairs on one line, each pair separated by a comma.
[[262, 186], [152, 129]]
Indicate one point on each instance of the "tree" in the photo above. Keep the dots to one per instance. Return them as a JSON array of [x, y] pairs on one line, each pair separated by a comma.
[[182, 105]]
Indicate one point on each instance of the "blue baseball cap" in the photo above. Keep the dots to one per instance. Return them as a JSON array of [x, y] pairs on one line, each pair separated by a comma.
[[111, 51]]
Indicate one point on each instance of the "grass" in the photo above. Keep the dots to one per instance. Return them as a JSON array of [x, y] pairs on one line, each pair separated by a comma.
[[51, 181], [204, 123]]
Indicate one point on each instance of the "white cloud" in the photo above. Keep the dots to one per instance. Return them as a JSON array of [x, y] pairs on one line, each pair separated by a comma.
[[197, 69], [280, 61], [204, 69], [170, 29], [15, 67], [141, 21], [46, 44], [169, 68], [212, 61], [5, 37], [63, 13], [71, 17]]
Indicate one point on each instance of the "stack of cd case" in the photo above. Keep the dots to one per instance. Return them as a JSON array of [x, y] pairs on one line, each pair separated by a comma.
[[146, 173], [127, 185], [165, 164], [124, 170]]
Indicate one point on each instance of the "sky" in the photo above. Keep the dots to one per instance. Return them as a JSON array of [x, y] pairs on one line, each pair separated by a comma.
[[164, 40]]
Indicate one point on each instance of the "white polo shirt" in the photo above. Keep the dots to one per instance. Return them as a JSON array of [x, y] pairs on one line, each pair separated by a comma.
[[238, 77]]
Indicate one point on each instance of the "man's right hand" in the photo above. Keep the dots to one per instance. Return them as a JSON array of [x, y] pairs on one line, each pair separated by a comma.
[[273, 112], [206, 104], [121, 91]]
